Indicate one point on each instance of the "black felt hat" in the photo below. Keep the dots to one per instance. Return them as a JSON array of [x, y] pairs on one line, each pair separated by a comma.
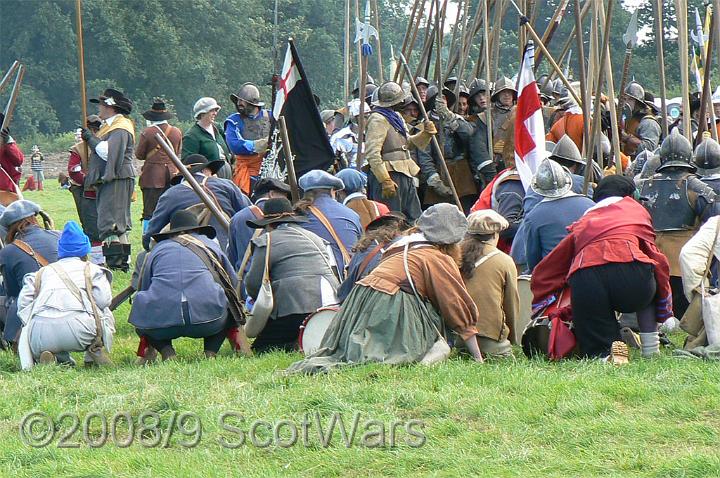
[[276, 211], [158, 111], [184, 221], [116, 99], [265, 185]]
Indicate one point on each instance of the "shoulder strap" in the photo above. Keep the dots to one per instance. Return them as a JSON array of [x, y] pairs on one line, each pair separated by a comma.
[[98, 341], [246, 255], [364, 264], [324, 220], [423, 306], [25, 247], [712, 251], [484, 259]]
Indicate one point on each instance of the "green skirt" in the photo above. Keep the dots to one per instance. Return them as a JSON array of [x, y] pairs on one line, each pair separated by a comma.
[[373, 326]]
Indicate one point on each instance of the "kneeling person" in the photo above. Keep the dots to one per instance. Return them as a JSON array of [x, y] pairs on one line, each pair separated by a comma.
[[186, 287], [64, 307]]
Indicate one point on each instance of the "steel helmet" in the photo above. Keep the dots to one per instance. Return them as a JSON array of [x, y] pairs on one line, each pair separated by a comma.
[[389, 94], [707, 157], [503, 84], [477, 85], [567, 149], [635, 91], [676, 151], [551, 180], [431, 97], [419, 80], [249, 93], [356, 86]]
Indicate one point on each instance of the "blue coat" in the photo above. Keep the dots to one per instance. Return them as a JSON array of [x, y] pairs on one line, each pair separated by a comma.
[[547, 223], [181, 196], [240, 234], [344, 220], [173, 274], [14, 264], [234, 127]]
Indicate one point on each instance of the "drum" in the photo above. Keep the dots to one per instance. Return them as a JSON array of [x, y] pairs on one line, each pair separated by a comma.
[[314, 327]]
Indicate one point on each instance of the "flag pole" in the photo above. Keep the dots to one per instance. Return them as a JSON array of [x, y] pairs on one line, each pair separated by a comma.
[[289, 160]]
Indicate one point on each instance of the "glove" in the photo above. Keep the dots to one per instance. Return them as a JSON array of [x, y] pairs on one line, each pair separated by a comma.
[[438, 185], [5, 135], [429, 127], [442, 109], [389, 188], [261, 146], [609, 171], [86, 134]]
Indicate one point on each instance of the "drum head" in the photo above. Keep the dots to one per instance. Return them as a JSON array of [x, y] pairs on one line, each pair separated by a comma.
[[313, 329]]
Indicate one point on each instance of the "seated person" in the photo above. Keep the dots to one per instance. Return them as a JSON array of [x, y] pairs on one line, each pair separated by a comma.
[[28, 247], [491, 279], [300, 270], [186, 287], [354, 196], [64, 307], [396, 317]]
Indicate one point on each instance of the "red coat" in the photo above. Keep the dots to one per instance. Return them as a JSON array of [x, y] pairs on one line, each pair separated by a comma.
[[11, 158], [618, 233]]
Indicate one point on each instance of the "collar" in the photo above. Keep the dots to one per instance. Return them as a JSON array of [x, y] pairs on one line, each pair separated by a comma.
[[352, 196], [111, 119], [156, 123], [605, 202]]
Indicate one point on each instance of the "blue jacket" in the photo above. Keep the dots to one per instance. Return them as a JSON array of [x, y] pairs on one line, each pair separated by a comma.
[[181, 196], [173, 274], [547, 223], [240, 234], [14, 264], [234, 127], [344, 220]]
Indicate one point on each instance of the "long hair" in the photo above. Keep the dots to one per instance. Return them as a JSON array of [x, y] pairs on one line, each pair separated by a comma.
[[309, 198], [381, 235], [471, 248], [452, 250], [19, 227]]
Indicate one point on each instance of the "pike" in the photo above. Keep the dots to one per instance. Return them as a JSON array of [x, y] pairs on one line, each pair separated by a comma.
[[376, 17], [568, 43], [566, 72], [630, 40], [81, 68], [346, 54], [583, 78], [436, 145], [486, 51], [706, 100], [364, 32], [6, 79], [681, 12], [611, 92], [659, 37], [706, 45], [551, 28]]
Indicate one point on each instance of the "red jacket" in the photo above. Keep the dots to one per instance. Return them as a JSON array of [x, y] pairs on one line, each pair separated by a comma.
[[11, 158], [618, 233]]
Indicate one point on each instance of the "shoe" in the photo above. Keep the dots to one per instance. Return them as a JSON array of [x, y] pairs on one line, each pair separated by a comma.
[[210, 354], [99, 356], [168, 353], [630, 338], [47, 358], [619, 354], [150, 357]]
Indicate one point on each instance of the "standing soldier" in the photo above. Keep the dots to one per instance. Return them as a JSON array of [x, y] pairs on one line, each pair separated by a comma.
[[642, 130], [481, 162], [158, 169], [11, 159], [111, 173], [392, 181], [84, 198], [246, 134], [503, 118], [678, 202], [707, 161]]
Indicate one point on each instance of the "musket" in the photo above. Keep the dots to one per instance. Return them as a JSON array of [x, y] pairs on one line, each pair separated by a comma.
[[706, 86], [630, 39], [551, 28], [6, 79], [121, 297], [10, 107], [433, 139], [681, 13], [659, 37]]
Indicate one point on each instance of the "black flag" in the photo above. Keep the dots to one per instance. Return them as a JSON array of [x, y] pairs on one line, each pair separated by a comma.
[[294, 100]]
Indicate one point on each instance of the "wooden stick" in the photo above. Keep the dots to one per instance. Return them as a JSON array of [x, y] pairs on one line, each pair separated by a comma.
[[681, 13], [550, 30], [81, 67], [568, 43], [361, 118], [411, 45], [436, 145], [6, 79], [659, 38], [611, 92], [501, 7], [10, 107], [706, 101], [583, 77], [346, 53], [486, 49], [212, 207], [376, 13], [438, 47], [406, 38], [289, 160]]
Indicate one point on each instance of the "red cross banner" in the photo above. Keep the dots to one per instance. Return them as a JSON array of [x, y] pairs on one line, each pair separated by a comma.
[[295, 102], [529, 124]]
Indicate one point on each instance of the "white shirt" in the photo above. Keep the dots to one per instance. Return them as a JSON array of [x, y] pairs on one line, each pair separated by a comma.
[[102, 147]]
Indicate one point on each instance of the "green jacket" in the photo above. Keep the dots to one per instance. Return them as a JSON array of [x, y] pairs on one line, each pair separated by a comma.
[[198, 141]]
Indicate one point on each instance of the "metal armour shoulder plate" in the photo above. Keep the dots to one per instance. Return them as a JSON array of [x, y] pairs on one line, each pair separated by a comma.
[[668, 203]]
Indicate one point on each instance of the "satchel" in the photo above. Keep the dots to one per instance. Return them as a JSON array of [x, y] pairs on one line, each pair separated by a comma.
[[264, 303]]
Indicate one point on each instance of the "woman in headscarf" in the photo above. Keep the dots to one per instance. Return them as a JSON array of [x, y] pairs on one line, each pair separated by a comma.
[[400, 311], [64, 307], [205, 138]]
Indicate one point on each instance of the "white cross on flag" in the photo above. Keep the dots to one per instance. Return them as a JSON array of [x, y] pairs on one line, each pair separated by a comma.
[[529, 123], [287, 81]]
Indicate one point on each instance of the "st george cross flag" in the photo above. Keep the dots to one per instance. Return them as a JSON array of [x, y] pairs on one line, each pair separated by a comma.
[[529, 124], [294, 101]]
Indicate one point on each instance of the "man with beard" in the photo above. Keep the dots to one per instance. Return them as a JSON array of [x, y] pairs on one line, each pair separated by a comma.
[[642, 130]]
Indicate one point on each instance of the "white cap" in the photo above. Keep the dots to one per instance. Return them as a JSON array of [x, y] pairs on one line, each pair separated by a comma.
[[354, 107], [204, 105]]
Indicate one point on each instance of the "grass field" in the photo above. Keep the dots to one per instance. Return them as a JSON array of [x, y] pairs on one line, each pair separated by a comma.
[[525, 418]]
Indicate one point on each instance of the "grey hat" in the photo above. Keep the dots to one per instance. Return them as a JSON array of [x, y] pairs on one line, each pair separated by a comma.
[[18, 210], [204, 105], [551, 180], [443, 224], [486, 221], [318, 179], [327, 115]]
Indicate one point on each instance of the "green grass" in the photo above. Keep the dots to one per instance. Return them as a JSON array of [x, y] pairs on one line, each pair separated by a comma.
[[656, 417]]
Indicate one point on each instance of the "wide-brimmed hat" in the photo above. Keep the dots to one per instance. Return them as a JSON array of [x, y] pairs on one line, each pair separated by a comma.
[[158, 111], [276, 211], [184, 221], [319, 179], [116, 99], [486, 221], [198, 162], [443, 224], [18, 210], [265, 185]]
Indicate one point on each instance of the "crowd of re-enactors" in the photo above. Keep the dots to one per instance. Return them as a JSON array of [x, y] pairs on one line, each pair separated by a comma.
[[393, 260]]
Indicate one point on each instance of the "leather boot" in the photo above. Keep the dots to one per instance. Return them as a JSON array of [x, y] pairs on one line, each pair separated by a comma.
[[97, 357], [115, 257]]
